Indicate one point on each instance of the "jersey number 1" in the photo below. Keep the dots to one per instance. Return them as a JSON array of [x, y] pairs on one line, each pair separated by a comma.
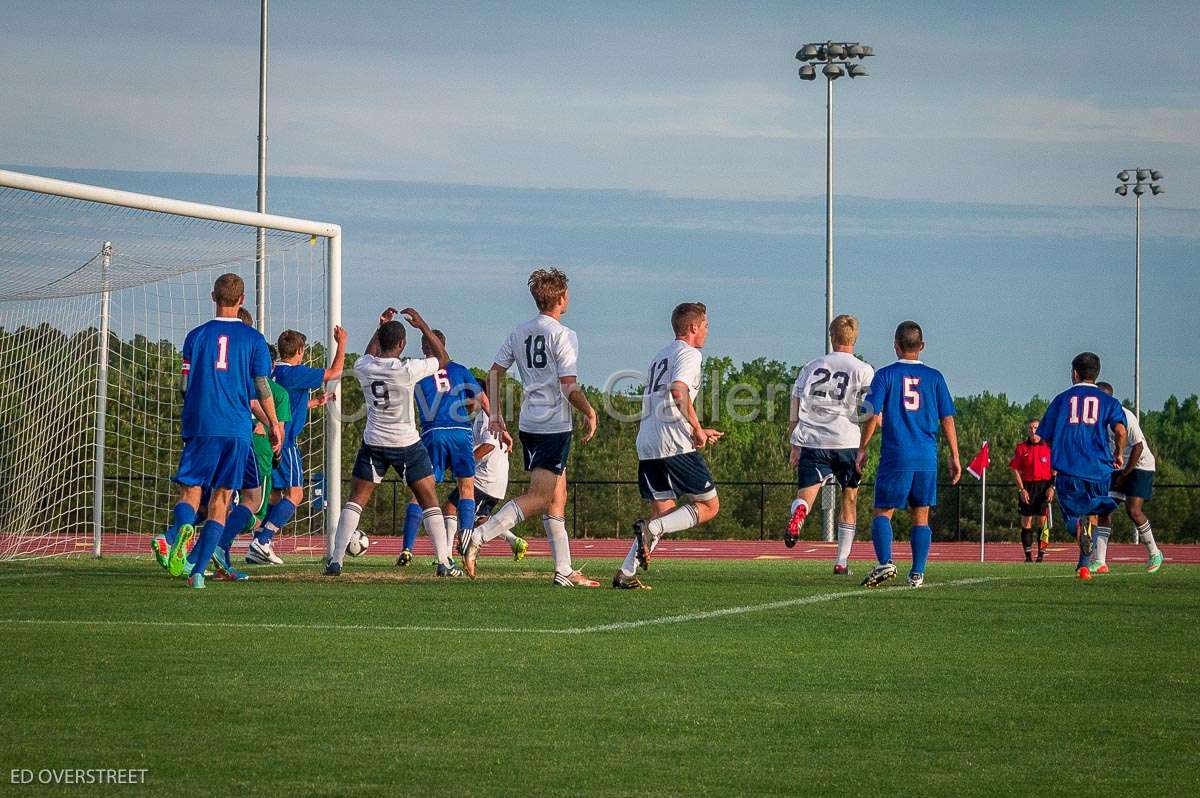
[[223, 353]]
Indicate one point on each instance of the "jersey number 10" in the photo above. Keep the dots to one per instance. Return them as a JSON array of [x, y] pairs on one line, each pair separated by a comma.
[[1091, 410]]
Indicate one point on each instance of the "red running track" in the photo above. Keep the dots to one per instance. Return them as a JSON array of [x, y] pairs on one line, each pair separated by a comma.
[[609, 548]]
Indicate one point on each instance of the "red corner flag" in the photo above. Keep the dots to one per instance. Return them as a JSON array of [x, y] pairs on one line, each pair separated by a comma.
[[980, 463]]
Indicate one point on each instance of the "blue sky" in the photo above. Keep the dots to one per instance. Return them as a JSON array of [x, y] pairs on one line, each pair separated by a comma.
[[975, 165]]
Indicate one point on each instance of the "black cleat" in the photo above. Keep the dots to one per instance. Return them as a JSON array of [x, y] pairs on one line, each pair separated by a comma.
[[643, 546], [880, 574], [333, 569], [622, 582]]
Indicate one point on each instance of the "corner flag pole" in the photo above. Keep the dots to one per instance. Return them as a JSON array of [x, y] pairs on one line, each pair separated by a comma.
[[983, 515]]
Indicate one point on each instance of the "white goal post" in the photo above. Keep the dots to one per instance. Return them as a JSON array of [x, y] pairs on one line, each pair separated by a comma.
[[31, 305]]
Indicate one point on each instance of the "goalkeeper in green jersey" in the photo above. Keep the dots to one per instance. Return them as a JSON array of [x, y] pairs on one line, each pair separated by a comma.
[[267, 458]]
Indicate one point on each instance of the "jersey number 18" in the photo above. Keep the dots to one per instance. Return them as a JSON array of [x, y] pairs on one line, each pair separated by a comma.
[[535, 352]]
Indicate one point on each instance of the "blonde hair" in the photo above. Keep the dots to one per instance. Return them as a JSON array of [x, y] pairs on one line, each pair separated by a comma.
[[843, 330], [547, 287]]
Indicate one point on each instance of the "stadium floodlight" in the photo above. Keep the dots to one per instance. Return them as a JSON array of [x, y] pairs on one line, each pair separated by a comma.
[[1142, 175], [101, 289], [835, 58]]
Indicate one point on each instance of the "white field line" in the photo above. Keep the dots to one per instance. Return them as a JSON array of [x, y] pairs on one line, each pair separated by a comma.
[[818, 598]]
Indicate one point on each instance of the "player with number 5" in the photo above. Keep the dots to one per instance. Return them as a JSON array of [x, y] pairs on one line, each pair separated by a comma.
[[1076, 425], [912, 401]]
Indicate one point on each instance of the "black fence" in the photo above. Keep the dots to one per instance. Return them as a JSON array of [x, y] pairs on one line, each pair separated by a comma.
[[759, 510]]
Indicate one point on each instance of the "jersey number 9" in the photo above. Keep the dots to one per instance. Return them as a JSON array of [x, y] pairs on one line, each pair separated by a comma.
[[379, 390]]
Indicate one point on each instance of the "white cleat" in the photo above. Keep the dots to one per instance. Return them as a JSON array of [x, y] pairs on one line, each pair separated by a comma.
[[262, 554], [915, 579], [574, 579]]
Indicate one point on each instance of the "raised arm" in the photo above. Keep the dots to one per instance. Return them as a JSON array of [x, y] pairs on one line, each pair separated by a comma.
[[435, 343], [373, 344], [334, 372]]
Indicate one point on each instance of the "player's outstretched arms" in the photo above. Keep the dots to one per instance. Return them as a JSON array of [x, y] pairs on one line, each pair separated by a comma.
[[951, 433], [334, 372], [435, 343], [579, 401], [373, 346]]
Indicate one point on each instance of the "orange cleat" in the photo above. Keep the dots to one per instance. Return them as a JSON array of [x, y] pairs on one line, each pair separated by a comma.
[[1085, 574], [1102, 568]]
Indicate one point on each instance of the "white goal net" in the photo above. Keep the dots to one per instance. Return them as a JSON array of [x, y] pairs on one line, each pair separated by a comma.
[[97, 290]]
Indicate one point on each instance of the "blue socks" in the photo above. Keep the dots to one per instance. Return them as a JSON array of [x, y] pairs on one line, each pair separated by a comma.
[[210, 536], [920, 537], [412, 524], [239, 520], [278, 515], [881, 538], [183, 513], [466, 514]]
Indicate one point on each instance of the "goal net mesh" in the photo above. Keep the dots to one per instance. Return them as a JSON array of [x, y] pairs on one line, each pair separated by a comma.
[[155, 275]]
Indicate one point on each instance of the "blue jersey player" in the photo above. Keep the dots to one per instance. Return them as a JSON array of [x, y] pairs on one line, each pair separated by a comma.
[[1076, 425], [226, 364], [912, 402], [443, 407], [287, 478]]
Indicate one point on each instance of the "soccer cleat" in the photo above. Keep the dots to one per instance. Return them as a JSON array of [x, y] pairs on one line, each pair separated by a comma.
[[178, 551], [196, 581], [1041, 555], [262, 554], [450, 570], [333, 569], [405, 558], [161, 549], [1098, 568], [793, 528], [623, 582], [1085, 574], [880, 574], [574, 579], [224, 571], [1154, 563], [643, 546], [471, 556], [915, 579], [519, 547], [842, 570]]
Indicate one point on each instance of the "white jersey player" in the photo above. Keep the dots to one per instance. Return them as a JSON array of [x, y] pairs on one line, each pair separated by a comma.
[[491, 479], [545, 352], [670, 467], [1133, 485], [391, 438], [825, 434]]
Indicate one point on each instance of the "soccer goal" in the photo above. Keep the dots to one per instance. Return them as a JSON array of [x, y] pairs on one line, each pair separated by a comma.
[[98, 288]]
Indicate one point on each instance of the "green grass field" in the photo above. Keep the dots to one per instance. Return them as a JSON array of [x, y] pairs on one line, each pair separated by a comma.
[[994, 679]]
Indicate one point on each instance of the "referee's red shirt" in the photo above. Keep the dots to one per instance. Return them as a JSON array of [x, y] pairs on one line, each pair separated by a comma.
[[1032, 461]]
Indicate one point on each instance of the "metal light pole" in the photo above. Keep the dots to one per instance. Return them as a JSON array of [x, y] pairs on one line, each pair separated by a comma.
[[1142, 178], [260, 251], [838, 59]]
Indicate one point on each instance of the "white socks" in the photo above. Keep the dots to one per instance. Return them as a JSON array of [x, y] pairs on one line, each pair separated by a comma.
[[560, 547], [501, 522], [1147, 538], [435, 527], [1100, 537], [451, 528], [347, 525], [845, 537], [679, 519]]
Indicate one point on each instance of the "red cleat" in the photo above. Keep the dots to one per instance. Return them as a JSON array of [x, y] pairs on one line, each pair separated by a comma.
[[793, 531], [1085, 574], [1102, 568]]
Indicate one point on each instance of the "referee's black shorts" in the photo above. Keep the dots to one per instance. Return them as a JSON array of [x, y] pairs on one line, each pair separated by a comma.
[[1037, 505]]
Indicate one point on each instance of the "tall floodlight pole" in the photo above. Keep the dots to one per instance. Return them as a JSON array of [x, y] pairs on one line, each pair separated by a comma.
[[1141, 180], [838, 58], [260, 251]]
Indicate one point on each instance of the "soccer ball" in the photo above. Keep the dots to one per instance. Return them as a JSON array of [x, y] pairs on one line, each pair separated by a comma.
[[358, 544]]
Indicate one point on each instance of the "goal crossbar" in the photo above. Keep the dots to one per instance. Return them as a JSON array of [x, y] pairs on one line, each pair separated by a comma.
[[332, 233]]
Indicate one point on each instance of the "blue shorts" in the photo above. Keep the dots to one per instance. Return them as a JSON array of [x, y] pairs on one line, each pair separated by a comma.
[[1139, 484], [290, 471], [674, 477], [410, 462], [218, 462], [895, 490], [547, 450], [452, 448], [818, 466], [1080, 498]]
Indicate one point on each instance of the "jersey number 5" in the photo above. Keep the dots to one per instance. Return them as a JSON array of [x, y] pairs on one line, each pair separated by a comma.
[[1091, 410], [223, 353], [535, 351], [912, 398]]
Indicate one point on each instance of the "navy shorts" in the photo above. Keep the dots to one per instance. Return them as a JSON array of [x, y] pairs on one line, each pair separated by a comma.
[[895, 490], [452, 448], [675, 477], [1080, 498], [290, 471], [218, 462], [818, 466], [546, 450], [1139, 483], [484, 504], [410, 462]]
